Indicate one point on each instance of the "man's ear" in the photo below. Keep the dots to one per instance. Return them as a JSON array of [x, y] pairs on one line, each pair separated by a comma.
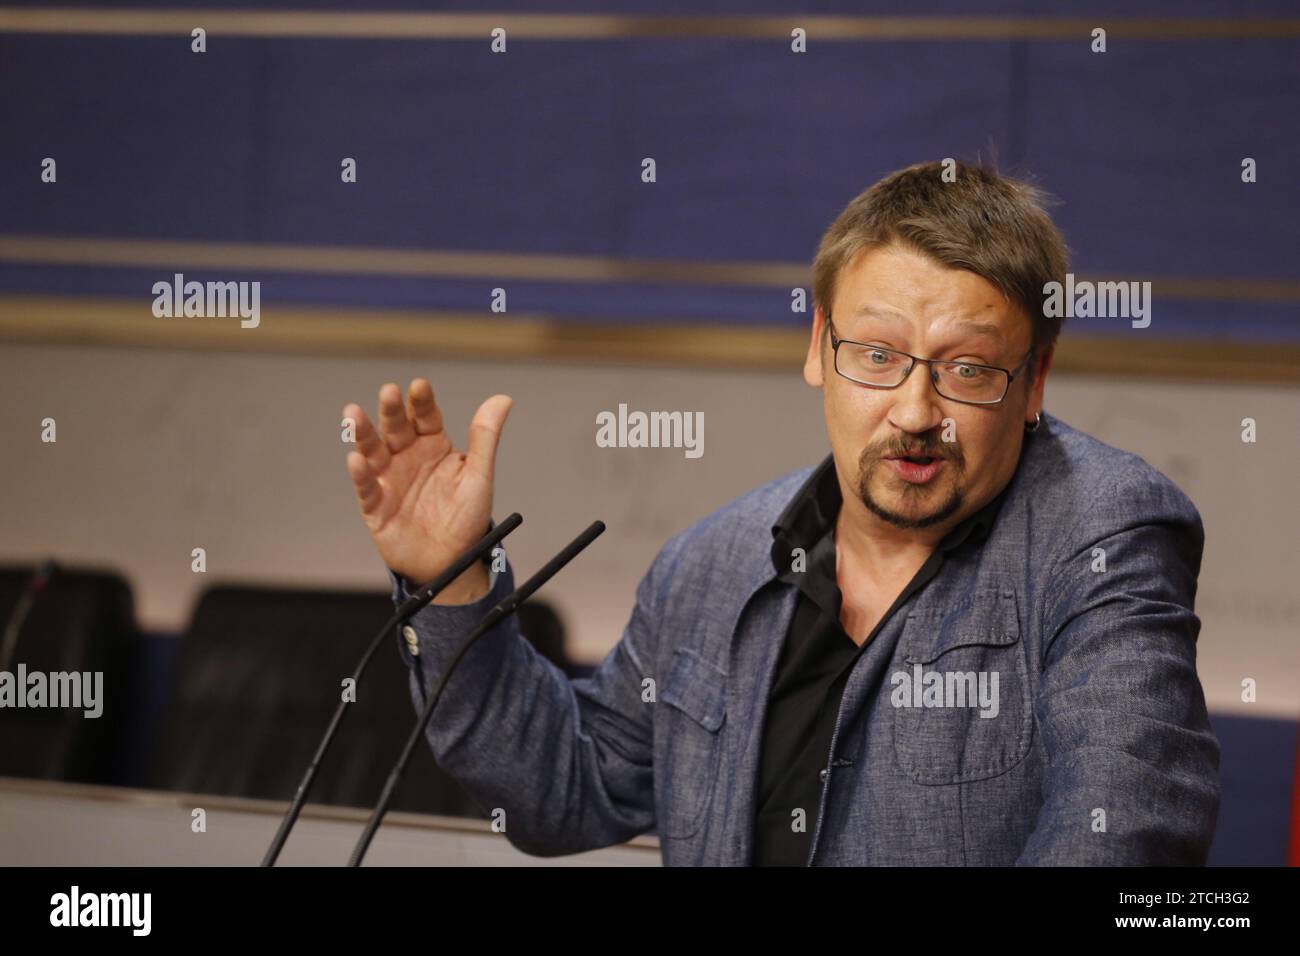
[[812, 365]]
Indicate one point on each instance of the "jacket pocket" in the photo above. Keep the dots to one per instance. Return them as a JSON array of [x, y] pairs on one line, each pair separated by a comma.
[[695, 695], [961, 693]]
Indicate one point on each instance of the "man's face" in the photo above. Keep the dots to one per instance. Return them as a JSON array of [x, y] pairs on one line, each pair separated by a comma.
[[899, 298]]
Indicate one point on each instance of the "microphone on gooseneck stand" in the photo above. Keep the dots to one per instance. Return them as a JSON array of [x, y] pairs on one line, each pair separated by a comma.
[[35, 585], [410, 606], [508, 606]]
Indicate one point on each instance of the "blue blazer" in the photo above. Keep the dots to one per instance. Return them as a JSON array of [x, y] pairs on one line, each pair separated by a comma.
[[1080, 601]]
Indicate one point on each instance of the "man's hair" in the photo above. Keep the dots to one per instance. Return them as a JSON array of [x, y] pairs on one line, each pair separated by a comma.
[[986, 223]]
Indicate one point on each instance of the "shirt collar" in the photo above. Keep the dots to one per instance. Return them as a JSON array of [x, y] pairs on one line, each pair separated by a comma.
[[811, 514]]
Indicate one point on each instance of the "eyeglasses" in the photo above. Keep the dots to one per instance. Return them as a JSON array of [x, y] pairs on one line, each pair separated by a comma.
[[878, 367]]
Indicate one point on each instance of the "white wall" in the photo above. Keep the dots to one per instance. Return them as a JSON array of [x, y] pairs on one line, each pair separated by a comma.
[[162, 451]]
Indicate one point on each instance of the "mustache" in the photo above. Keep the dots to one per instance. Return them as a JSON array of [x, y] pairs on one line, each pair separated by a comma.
[[923, 447]]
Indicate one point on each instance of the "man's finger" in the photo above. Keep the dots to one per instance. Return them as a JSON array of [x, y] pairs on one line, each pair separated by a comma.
[[485, 434], [422, 409], [367, 439], [394, 427], [369, 493]]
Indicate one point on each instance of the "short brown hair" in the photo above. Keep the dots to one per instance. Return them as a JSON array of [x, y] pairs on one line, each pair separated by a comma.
[[989, 224]]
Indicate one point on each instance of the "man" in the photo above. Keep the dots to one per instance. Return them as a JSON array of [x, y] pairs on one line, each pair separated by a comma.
[[965, 638]]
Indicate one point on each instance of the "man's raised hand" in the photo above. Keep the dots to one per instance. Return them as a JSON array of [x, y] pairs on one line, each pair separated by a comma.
[[422, 501]]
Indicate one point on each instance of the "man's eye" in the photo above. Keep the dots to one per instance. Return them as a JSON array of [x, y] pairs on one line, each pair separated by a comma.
[[969, 371], [878, 357]]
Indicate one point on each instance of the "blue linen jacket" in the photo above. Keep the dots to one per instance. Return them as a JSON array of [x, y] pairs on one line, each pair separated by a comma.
[[1080, 600]]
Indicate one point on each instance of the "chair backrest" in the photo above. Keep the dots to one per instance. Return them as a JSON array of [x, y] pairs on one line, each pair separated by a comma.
[[541, 625], [81, 622], [258, 676]]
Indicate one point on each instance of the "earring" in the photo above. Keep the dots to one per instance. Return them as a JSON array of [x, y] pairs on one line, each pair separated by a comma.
[[1038, 420]]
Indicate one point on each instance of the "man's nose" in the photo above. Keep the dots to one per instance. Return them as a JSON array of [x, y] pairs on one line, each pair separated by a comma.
[[916, 407]]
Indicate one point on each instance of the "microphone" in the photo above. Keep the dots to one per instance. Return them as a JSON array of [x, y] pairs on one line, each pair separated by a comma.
[[415, 602], [503, 610], [35, 585]]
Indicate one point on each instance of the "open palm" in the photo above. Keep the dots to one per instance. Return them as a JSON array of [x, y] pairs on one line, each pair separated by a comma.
[[422, 501]]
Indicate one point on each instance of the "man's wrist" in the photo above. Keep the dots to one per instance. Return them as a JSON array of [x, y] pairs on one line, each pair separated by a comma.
[[473, 585]]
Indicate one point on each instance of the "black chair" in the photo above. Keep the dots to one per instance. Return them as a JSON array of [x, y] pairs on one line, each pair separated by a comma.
[[259, 674], [541, 626], [80, 621]]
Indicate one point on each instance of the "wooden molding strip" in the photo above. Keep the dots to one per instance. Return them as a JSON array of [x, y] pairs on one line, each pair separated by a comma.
[[363, 260], [561, 26], [181, 254], [443, 334]]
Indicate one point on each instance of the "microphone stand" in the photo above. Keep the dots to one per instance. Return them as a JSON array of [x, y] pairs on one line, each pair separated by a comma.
[[408, 607], [35, 585], [499, 613]]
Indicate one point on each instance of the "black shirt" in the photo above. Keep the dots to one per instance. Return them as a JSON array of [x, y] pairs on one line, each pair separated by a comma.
[[815, 663]]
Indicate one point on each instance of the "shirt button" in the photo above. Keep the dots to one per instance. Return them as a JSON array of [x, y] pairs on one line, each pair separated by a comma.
[[412, 641], [823, 775]]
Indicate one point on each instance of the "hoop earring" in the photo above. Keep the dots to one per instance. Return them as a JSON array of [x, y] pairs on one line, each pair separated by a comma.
[[1038, 420]]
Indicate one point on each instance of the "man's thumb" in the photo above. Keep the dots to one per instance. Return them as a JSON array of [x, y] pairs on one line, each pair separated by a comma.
[[485, 434]]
